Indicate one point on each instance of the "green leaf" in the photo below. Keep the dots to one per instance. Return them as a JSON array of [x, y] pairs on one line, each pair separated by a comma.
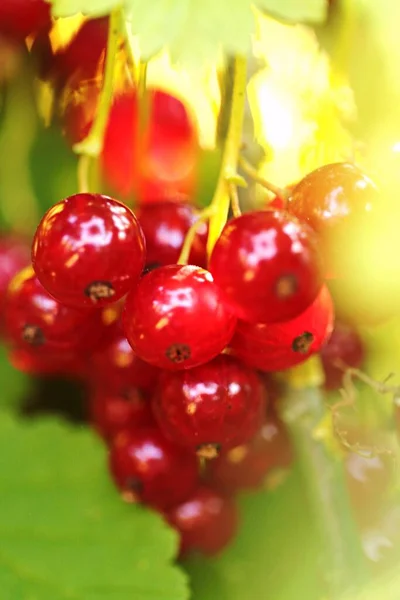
[[93, 8], [14, 385], [194, 30], [309, 11], [64, 531], [275, 555]]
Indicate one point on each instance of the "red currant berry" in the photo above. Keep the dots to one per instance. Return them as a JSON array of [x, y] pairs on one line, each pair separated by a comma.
[[268, 265], [88, 250], [148, 468], [165, 225], [165, 160], [33, 319], [345, 348], [176, 318], [331, 200], [117, 369], [82, 55], [110, 414], [206, 522], [247, 467], [19, 18], [56, 364], [14, 256], [279, 346], [212, 407]]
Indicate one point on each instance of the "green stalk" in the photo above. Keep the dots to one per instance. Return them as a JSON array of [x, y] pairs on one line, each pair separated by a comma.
[[220, 201], [92, 145], [303, 409]]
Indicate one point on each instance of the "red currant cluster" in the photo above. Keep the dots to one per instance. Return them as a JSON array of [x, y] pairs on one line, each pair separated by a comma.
[[178, 358]]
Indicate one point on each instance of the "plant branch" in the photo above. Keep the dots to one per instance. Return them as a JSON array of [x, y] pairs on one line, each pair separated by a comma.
[[191, 234], [220, 201], [93, 143], [303, 409]]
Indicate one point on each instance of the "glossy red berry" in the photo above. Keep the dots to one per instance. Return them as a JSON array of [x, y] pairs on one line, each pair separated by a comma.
[[14, 256], [117, 369], [88, 250], [57, 364], [212, 407], [83, 53], [36, 321], [164, 161], [248, 466], [207, 521], [111, 413], [279, 346], [19, 18], [268, 266], [165, 225], [176, 318], [148, 468], [331, 200], [344, 348]]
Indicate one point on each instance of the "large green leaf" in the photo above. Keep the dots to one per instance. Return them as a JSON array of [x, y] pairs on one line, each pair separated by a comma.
[[64, 531], [13, 385], [194, 30], [276, 554]]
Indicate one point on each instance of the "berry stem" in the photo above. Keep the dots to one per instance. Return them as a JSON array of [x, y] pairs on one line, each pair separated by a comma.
[[254, 174], [302, 409], [204, 215], [220, 201], [234, 196], [93, 143], [83, 174]]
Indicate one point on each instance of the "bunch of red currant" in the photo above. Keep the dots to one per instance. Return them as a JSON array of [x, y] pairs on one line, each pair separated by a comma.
[[176, 356]]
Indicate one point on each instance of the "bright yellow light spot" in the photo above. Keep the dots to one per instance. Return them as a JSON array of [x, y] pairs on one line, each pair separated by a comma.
[[64, 30], [277, 115]]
